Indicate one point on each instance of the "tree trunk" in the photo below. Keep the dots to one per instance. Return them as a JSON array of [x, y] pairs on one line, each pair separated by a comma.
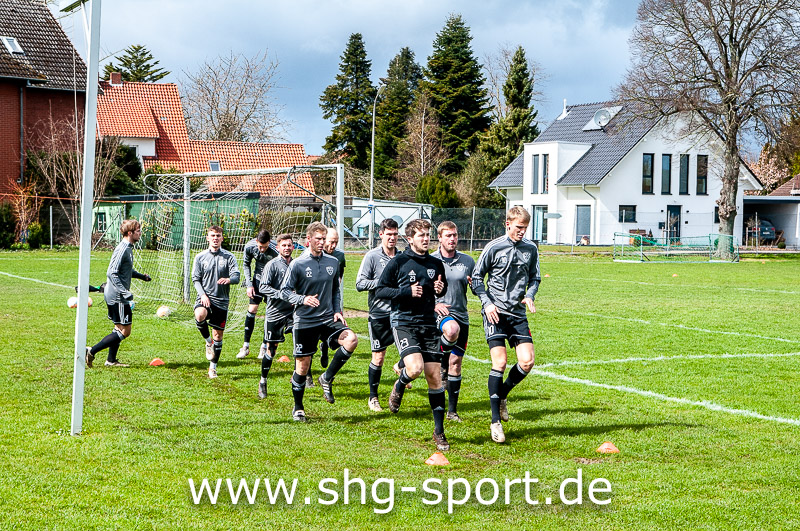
[[727, 197]]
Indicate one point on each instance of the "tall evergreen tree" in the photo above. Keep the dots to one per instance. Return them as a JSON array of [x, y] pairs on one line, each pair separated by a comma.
[[505, 138], [136, 64], [455, 86], [394, 108], [348, 104]]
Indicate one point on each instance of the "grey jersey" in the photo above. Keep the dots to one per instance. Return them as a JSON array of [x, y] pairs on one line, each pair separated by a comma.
[[119, 274], [270, 286], [313, 275], [208, 269], [457, 269], [368, 275], [252, 278], [513, 270]]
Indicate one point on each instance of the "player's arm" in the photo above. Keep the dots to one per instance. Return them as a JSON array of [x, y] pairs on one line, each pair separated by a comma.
[[247, 259], [365, 279], [288, 288], [480, 271], [233, 270], [197, 280], [534, 279], [336, 295], [140, 276], [113, 276], [269, 279], [441, 277], [388, 284]]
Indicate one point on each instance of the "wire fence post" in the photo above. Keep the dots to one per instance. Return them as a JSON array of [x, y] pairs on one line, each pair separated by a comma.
[[472, 231]]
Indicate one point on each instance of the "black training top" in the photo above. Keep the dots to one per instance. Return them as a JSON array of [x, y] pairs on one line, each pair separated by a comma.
[[405, 269]]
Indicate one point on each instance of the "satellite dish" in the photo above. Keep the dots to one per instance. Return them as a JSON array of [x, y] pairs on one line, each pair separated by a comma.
[[602, 117]]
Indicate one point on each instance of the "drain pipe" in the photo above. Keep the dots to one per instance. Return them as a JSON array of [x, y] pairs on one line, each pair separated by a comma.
[[594, 210]]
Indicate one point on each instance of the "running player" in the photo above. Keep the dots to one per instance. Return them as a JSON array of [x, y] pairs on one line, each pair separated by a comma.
[[312, 285], [411, 281], [214, 270], [331, 241], [451, 310], [118, 294], [258, 250], [380, 327], [512, 265], [279, 313]]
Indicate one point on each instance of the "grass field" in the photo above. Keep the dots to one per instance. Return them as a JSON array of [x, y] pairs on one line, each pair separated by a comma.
[[693, 377]]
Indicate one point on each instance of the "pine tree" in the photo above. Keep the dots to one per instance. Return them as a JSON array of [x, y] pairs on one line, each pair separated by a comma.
[[348, 104], [505, 139], [394, 108], [455, 85], [136, 64]]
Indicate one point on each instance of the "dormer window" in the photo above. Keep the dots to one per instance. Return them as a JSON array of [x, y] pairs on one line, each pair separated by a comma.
[[213, 165], [12, 45]]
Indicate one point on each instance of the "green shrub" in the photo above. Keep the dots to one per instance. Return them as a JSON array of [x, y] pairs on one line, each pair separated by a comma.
[[19, 246], [36, 235], [781, 245]]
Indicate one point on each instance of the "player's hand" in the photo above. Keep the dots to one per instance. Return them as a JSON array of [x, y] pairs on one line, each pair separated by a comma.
[[251, 291], [529, 303], [204, 300], [339, 317], [469, 280], [311, 300], [223, 281], [491, 314], [147, 278], [416, 290], [438, 285], [442, 309]]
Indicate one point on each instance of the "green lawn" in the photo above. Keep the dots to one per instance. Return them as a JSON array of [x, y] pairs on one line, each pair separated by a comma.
[[722, 343]]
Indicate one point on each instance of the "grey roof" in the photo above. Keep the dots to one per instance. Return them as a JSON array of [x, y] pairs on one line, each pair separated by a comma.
[[608, 145], [511, 176], [49, 56]]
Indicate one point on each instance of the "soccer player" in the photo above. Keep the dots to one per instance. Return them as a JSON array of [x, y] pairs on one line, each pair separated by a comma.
[[214, 270], [512, 265], [279, 313], [380, 327], [312, 285], [451, 309], [118, 294], [411, 281], [257, 249], [331, 241]]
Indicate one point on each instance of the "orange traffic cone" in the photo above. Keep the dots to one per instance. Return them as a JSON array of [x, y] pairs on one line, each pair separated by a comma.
[[674, 275], [284, 359], [437, 459], [608, 448], [156, 362], [546, 275]]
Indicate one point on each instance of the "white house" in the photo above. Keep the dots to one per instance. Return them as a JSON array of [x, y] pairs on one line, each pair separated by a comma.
[[599, 169]]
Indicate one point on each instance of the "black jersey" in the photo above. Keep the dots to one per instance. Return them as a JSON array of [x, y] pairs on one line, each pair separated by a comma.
[[405, 269]]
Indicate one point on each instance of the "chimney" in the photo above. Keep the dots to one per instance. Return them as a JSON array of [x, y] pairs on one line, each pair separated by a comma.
[[565, 112], [116, 78]]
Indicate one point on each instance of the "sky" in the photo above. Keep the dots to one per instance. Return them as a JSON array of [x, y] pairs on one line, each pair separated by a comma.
[[580, 46]]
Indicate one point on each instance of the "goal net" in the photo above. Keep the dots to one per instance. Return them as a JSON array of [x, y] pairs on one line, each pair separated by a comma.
[[639, 248], [176, 215]]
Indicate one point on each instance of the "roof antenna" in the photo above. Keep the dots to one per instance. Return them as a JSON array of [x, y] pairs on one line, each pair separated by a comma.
[[564, 112]]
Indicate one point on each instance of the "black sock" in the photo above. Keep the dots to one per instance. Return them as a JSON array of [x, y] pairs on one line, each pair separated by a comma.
[[401, 364], [374, 374], [495, 386], [249, 324], [402, 381], [114, 338], [515, 376], [113, 349], [203, 327], [266, 364], [453, 387], [298, 388], [339, 359], [217, 351], [436, 399]]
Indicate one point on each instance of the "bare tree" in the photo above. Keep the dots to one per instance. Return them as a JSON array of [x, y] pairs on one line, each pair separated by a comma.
[[58, 162], [728, 66], [498, 67], [233, 98], [421, 152], [25, 202]]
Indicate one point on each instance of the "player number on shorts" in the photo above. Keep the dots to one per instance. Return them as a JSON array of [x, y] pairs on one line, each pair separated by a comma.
[[298, 348]]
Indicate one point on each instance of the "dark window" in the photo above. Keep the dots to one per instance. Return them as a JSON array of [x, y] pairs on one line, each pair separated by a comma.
[[214, 165], [684, 179], [545, 173], [702, 174], [535, 176], [716, 214], [666, 174], [627, 213], [101, 222], [647, 173]]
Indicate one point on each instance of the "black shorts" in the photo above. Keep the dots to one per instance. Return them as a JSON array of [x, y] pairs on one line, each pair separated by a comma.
[[463, 335], [217, 317], [120, 313], [380, 333], [511, 328], [306, 339], [422, 338], [275, 330], [257, 296]]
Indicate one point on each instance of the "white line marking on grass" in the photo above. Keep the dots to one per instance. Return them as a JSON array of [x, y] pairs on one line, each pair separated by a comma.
[[692, 286], [658, 396], [683, 327], [36, 280], [668, 358]]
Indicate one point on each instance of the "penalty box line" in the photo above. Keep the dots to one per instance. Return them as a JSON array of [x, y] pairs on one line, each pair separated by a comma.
[[36, 280], [705, 404], [669, 358], [688, 286]]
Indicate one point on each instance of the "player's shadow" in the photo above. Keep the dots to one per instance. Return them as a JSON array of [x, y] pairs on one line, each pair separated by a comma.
[[536, 414], [543, 432]]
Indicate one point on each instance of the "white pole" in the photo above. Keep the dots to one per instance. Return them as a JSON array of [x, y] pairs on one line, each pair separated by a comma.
[[187, 226], [87, 201], [51, 227], [340, 204]]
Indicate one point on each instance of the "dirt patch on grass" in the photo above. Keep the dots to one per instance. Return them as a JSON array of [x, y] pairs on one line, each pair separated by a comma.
[[354, 313]]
